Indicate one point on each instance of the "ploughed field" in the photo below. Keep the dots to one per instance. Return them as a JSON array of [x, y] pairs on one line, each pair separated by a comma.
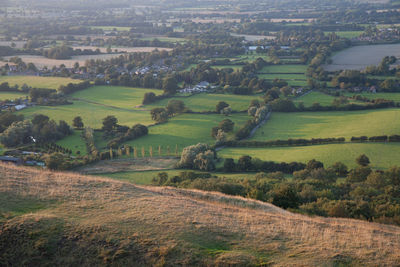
[[359, 57]]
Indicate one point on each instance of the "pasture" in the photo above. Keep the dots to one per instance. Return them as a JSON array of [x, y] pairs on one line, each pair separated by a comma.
[[120, 49], [208, 102], [164, 39], [388, 96], [37, 81], [112, 28], [11, 95], [185, 130], [92, 114], [381, 155], [74, 142], [284, 69], [359, 57], [330, 124], [318, 97], [347, 34], [115, 96], [145, 177], [234, 67]]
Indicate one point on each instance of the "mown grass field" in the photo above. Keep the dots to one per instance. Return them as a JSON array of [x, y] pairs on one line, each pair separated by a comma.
[[381, 155], [185, 130], [116, 96], [145, 177], [74, 142], [330, 124], [11, 95], [37, 81], [208, 102], [92, 114]]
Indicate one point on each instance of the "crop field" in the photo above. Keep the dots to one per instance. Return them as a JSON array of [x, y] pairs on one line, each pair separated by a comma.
[[92, 114], [347, 34], [185, 130], [145, 177], [74, 142], [11, 95], [41, 61], [389, 96], [380, 155], [359, 57], [208, 102], [112, 28], [165, 39], [37, 81], [330, 124], [115, 96], [121, 49]]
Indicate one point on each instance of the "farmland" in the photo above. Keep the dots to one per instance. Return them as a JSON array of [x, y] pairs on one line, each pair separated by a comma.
[[116, 96], [11, 96], [74, 142], [388, 96], [318, 97], [208, 102], [37, 81], [92, 114], [359, 57], [185, 130], [382, 156], [330, 124], [347, 34], [121, 49], [293, 74]]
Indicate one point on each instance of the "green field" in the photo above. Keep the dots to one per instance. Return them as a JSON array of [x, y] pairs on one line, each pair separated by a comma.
[[208, 102], [91, 114], [111, 28], [234, 67], [286, 69], [74, 142], [11, 95], [380, 155], [318, 97], [145, 177], [165, 39], [37, 81], [116, 96], [388, 96], [330, 124], [185, 130], [347, 34]]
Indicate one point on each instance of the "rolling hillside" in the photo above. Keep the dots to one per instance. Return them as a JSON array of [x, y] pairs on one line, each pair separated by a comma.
[[49, 218]]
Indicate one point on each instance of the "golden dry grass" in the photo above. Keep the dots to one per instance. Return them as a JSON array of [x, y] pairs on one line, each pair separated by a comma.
[[168, 226]]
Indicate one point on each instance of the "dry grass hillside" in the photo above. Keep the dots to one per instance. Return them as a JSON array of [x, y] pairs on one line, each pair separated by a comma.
[[49, 218]]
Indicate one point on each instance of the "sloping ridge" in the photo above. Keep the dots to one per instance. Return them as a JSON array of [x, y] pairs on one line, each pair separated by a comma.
[[50, 218]]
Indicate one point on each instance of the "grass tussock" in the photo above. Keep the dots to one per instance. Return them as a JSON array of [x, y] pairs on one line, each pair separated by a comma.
[[69, 219]]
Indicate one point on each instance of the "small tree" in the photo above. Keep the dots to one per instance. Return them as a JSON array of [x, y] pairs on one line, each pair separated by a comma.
[[159, 151], [143, 152], [77, 122], [363, 160], [220, 106]]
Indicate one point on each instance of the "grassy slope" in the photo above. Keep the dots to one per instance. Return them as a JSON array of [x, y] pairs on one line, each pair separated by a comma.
[[91, 114], [54, 219], [381, 155], [118, 96], [74, 142], [330, 124], [208, 102], [37, 81]]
